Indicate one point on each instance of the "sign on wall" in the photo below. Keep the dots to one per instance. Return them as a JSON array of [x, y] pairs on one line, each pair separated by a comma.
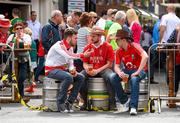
[[76, 5]]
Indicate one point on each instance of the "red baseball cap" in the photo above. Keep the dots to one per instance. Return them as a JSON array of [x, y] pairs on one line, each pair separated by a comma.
[[5, 23]]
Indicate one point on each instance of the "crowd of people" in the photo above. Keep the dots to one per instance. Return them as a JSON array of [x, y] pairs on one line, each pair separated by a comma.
[[82, 45]]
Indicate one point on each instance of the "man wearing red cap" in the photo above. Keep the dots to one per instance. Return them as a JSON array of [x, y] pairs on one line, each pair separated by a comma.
[[98, 64], [5, 24]]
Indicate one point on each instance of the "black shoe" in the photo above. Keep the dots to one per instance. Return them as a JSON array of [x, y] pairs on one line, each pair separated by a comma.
[[83, 107], [62, 108], [68, 106], [153, 82]]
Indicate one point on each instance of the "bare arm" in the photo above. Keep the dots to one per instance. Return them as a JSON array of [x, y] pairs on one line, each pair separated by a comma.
[[144, 58], [162, 30], [117, 69], [107, 65]]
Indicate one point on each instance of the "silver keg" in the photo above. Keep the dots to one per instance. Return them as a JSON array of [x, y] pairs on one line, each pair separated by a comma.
[[98, 97], [50, 93]]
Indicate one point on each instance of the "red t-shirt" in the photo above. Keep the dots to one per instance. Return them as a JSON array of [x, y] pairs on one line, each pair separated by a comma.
[[178, 57], [3, 37], [131, 58], [136, 32], [100, 56]]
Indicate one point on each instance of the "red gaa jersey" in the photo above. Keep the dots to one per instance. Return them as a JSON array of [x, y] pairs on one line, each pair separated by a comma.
[[131, 58], [100, 55]]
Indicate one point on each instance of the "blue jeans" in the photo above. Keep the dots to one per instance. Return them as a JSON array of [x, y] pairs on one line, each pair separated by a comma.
[[39, 67], [134, 81], [66, 79]]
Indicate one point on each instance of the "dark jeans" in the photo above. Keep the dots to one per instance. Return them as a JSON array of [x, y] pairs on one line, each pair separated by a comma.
[[134, 81], [37, 43], [3, 58], [177, 77], [22, 67], [106, 75], [66, 79], [39, 67], [78, 64]]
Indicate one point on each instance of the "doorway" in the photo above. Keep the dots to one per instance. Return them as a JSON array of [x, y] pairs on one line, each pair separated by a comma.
[[6, 9]]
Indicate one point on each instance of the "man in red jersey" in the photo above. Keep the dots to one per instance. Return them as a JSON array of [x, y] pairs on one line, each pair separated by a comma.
[[134, 59], [98, 64]]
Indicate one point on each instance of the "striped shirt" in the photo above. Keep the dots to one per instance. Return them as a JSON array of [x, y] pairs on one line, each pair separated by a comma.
[[82, 41]]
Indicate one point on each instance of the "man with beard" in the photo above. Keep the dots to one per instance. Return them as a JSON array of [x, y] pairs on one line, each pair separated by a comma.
[[100, 61], [59, 65]]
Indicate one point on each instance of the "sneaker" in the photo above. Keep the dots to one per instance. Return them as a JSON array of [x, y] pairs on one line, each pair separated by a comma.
[[119, 108], [62, 108], [152, 81], [125, 106], [26, 99], [83, 107], [29, 89], [133, 111], [68, 106]]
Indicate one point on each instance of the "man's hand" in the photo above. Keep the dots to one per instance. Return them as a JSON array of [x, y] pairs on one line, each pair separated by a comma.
[[88, 52], [135, 74], [122, 74], [93, 72], [73, 72]]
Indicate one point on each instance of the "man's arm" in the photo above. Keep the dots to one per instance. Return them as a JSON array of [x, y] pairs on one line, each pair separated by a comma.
[[162, 30], [117, 69], [107, 65], [144, 58]]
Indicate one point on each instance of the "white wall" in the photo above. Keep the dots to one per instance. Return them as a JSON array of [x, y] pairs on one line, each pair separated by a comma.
[[35, 7], [45, 8]]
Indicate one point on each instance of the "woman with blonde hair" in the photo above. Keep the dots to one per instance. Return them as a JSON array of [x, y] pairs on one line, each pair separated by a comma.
[[94, 18], [135, 26]]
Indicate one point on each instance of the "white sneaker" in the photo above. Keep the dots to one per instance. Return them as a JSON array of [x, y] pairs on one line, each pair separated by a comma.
[[119, 108], [133, 111], [125, 106]]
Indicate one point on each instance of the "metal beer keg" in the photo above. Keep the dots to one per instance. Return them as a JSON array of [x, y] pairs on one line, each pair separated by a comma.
[[98, 98], [50, 92]]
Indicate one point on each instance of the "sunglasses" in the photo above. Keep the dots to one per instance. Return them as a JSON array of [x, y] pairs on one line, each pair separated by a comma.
[[19, 28]]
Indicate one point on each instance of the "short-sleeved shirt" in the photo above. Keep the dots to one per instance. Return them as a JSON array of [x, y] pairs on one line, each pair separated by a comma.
[[107, 26], [136, 29], [113, 30], [131, 58], [171, 21], [100, 56], [82, 38]]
